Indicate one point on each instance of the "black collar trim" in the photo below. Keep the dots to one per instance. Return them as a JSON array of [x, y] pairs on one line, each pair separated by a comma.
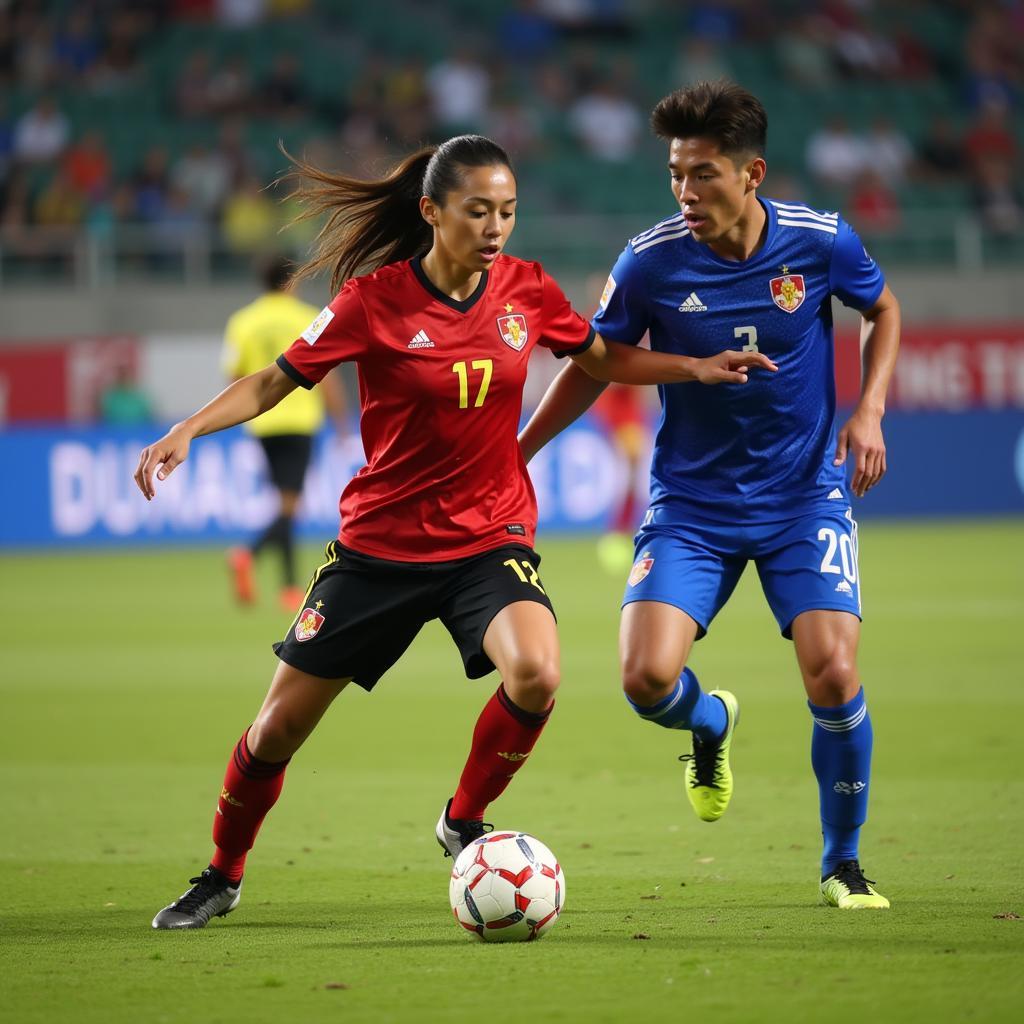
[[460, 305]]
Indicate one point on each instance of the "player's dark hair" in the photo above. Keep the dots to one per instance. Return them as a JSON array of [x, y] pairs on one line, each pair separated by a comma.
[[372, 223], [275, 273], [722, 111]]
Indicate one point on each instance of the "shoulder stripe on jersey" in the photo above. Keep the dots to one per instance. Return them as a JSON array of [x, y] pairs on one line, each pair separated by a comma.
[[664, 225], [793, 210], [829, 228], [660, 239]]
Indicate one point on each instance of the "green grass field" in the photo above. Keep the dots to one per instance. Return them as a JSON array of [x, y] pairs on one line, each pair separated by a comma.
[[127, 678]]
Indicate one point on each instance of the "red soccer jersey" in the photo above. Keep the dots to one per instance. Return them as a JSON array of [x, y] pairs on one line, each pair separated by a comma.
[[440, 389]]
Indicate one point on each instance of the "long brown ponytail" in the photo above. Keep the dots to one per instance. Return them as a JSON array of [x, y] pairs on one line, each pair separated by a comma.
[[372, 223]]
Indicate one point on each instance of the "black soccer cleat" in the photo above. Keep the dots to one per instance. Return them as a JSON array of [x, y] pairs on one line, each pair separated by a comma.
[[211, 895], [455, 834]]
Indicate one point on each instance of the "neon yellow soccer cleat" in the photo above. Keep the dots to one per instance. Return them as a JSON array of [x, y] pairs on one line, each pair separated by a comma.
[[848, 889], [708, 775]]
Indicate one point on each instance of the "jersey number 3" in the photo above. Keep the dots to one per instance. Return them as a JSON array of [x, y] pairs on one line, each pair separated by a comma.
[[485, 367]]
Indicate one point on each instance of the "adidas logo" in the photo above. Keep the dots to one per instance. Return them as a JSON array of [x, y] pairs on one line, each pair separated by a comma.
[[835, 494], [692, 304], [842, 587], [420, 340]]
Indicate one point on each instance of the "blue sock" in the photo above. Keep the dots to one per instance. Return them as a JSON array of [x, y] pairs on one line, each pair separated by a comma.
[[687, 707], [841, 756]]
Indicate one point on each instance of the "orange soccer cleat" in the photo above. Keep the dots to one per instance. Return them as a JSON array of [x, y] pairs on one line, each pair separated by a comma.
[[290, 598], [240, 566]]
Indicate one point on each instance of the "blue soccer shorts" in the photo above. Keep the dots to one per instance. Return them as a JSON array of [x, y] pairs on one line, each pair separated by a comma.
[[805, 564]]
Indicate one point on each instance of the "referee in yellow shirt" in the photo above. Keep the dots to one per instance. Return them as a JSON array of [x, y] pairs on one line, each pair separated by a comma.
[[255, 336]]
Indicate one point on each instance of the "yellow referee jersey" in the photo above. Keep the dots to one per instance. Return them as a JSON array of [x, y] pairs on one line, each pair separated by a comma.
[[254, 337]]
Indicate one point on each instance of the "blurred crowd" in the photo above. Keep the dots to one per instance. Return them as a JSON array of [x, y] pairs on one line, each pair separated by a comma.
[[553, 80]]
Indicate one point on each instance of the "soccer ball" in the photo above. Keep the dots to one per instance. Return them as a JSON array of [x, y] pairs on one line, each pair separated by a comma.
[[507, 887]]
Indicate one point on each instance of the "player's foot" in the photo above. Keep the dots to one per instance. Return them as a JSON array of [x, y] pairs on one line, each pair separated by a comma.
[[211, 895], [848, 889], [290, 599], [240, 567], [455, 834], [708, 775]]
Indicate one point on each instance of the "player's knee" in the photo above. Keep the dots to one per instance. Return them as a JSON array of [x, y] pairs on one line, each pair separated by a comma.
[[646, 684], [833, 681], [531, 681], [275, 735]]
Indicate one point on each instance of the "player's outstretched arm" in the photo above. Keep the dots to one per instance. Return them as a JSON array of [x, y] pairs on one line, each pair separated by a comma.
[[861, 435], [627, 364], [243, 400], [567, 398]]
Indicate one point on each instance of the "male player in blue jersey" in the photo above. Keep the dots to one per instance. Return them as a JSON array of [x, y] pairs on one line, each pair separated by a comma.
[[752, 473]]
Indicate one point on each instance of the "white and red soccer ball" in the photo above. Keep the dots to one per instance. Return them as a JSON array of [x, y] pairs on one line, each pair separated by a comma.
[[507, 887]]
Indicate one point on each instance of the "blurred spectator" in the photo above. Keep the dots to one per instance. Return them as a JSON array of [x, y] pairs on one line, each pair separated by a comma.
[[240, 13], [176, 223], [41, 133], [59, 204], [76, 48], [459, 90], [204, 176], [87, 166], [283, 94], [607, 123], [34, 53], [230, 88], [990, 136], [997, 197], [805, 53], [103, 217], [940, 153], [718, 20], [514, 125], [6, 137], [249, 219], [993, 51], [8, 50], [192, 92], [860, 50], [835, 156], [526, 31], [588, 17], [874, 206], [123, 402], [699, 59], [888, 151], [119, 68], [151, 184]]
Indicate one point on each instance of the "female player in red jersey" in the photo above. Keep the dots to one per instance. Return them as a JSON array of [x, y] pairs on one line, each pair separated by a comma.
[[440, 522]]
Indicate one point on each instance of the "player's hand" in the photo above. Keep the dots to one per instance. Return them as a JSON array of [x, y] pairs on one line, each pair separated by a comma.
[[167, 453], [731, 367], [862, 435]]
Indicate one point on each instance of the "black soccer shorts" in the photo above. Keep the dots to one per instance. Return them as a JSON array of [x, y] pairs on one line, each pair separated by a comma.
[[361, 613], [287, 459]]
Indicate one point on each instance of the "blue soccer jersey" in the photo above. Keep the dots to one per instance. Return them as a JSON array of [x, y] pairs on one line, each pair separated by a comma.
[[763, 449]]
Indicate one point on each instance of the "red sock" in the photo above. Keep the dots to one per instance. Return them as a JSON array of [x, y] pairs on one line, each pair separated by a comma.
[[502, 740], [251, 787]]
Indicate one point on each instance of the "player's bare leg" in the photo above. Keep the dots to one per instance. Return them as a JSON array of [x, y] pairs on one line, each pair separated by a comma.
[[655, 640], [522, 642], [826, 650], [291, 710]]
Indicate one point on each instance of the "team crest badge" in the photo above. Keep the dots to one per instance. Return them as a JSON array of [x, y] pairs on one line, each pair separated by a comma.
[[788, 292], [513, 330], [640, 570], [308, 625]]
